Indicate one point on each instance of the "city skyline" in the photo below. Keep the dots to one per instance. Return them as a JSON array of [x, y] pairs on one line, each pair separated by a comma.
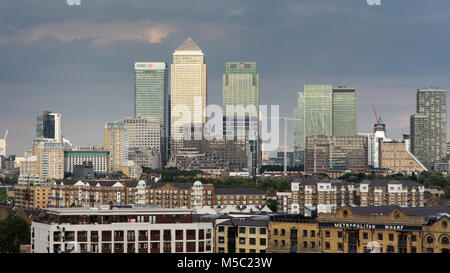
[[83, 78]]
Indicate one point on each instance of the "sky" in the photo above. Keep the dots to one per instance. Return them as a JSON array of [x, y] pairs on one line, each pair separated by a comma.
[[78, 60]]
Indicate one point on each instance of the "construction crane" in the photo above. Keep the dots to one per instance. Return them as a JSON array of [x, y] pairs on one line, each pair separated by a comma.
[[376, 116], [285, 119]]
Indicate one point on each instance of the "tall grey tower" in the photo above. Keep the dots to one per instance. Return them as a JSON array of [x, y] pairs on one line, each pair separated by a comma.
[[429, 126]]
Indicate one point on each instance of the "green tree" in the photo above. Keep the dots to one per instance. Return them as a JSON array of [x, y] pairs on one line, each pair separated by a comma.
[[272, 204], [14, 231]]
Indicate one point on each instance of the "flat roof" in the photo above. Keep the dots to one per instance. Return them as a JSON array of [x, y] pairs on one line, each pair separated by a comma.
[[117, 210]]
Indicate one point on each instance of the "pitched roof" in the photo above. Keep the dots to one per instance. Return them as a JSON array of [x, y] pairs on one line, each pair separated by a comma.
[[410, 211], [188, 45]]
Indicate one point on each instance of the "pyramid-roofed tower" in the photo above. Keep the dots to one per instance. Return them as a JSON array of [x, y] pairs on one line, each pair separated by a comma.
[[188, 45]]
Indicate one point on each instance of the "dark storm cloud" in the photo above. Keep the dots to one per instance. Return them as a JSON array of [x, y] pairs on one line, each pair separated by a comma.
[[78, 60]]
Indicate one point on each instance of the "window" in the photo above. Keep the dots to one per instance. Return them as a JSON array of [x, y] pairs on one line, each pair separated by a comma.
[[241, 250], [339, 246], [327, 246], [262, 231], [242, 241], [283, 232], [413, 249], [262, 241], [380, 236], [391, 237], [413, 238], [430, 240], [313, 245], [313, 233], [221, 229], [365, 236], [252, 241], [252, 230], [242, 230], [444, 241], [305, 244], [390, 249], [283, 243], [339, 234], [305, 233], [327, 234], [275, 231], [221, 239]]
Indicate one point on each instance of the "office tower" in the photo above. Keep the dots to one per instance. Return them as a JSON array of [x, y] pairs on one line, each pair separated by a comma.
[[316, 103], [429, 126], [241, 93], [50, 158], [144, 141], [336, 154], [240, 86], [299, 131], [49, 125], [116, 142], [344, 111], [151, 97], [188, 90]]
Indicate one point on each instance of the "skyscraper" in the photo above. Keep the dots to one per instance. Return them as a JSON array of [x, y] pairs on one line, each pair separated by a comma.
[[49, 125], [151, 97], [344, 111], [116, 142], [241, 89], [428, 127], [144, 141], [188, 89], [299, 131]]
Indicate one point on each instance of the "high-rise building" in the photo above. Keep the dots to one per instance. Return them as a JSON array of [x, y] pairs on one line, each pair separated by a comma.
[[151, 97], [429, 126], [99, 160], [50, 158], [116, 142], [344, 111], [3, 144], [49, 125], [240, 101], [188, 90], [299, 130], [144, 141]]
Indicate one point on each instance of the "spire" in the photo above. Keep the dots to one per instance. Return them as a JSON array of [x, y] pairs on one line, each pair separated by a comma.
[[189, 44]]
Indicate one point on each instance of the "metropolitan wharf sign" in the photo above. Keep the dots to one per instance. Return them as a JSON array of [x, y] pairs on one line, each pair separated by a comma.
[[357, 226]]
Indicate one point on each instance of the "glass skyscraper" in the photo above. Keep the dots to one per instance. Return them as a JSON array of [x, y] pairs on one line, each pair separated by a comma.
[[344, 111], [323, 111], [241, 88], [428, 128], [49, 125], [151, 97], [299, 130]]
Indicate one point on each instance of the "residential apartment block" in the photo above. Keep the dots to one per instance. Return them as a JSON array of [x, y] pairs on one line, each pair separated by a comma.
[[319, 195], [391, 192], [109, 229]]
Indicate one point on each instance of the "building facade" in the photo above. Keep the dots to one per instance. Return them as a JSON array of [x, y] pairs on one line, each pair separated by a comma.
[[391, 192], [151, 97], [343, 153], [121, 230], [188, 90], [116, 143], [99, 160], [388, 229], [293, 234], [344, 111], [395, 155], [241, 235], [32, 196], [315, 195], [145, 141], [429, 126]]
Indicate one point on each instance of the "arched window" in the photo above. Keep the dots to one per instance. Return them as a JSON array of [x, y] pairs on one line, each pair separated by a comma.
[[430, 240], [444, 241]]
